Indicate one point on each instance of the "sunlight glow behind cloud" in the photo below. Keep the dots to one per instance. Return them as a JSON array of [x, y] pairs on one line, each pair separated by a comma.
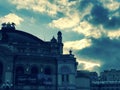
[[76, 45], [88, 30], [42, 6], [111, 4], [87, 65], [11, 17], [65, 22]]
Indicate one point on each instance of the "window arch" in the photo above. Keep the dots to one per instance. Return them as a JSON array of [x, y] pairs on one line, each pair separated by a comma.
[[48, 70], [65, 70], [20, 70]]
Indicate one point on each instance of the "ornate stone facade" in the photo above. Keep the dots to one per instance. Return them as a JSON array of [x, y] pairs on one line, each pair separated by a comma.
[[29, 63]]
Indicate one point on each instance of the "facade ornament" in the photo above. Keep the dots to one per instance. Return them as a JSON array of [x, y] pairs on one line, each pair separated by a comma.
[[8, 26], [53, 40], [70, 52]]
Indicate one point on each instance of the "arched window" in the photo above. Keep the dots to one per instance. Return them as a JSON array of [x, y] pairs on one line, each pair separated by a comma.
[[34, 70], [65, 71], [19, 70], [1, 71], [48, 71], [20, 78]]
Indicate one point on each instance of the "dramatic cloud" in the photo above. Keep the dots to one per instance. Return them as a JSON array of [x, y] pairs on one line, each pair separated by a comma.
[[97, 21], [42, 6], [50, 7], [114, 34], [11, 17], [65, 22], [101, 24], [77, 45], [113, 23], [99, 15], [88, 30], [87, 65], [104, 49], [102, 16], [80, 45], [90, 17], [111, 4]]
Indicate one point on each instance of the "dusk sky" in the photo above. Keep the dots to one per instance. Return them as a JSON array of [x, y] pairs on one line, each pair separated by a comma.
[[91, 28]]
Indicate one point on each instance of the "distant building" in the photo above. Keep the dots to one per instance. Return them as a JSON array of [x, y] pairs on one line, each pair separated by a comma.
[[93, 76], [83, 80], [105, 85], [29, 63], [108, 80], [110, 75]]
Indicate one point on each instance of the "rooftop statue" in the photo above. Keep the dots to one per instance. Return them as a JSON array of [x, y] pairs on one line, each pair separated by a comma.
[[8, 26]]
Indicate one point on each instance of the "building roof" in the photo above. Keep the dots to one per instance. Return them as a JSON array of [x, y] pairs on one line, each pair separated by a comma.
[[25, 42], [83, 74], [19, 36]]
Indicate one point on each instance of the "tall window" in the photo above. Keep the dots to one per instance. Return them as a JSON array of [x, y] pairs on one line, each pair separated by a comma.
[[65, 78], [48, 71], [34, 70], [33, 78], [1, 72], [19, 70], [20, 78], [65, 71]]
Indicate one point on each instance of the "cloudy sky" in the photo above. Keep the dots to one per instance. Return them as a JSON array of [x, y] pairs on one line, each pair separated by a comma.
[[91, 28]]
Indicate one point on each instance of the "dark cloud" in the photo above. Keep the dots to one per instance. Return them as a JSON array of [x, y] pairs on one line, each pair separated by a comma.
[[100, 15], [113, 23], [104, 49]]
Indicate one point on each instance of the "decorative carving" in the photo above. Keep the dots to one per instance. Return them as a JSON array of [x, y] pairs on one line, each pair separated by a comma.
[[8, 26], [70, 52]]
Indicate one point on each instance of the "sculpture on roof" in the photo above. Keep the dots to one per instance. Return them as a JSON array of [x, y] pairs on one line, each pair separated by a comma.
[[8, 26], [53, 40]]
